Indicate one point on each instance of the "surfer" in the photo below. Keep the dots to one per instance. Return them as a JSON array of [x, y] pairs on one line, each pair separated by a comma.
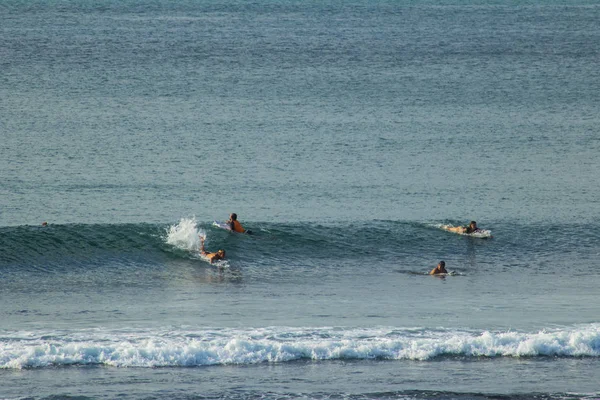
[[440, 269], [219, 255], [471, 228], [234, 224]]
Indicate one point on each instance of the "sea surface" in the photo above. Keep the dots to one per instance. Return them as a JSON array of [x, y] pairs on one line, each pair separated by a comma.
[[344, 134]]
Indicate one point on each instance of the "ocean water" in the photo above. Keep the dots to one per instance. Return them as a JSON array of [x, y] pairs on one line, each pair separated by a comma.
[[343, 134]]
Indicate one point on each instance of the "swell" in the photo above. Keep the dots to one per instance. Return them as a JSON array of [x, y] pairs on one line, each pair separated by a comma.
[[63, 245], [85, 244]]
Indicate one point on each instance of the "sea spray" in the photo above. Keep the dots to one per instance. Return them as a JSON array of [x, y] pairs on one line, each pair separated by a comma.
[[185, 235]]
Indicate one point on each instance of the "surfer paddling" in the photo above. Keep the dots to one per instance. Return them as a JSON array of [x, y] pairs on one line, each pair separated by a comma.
[[235, 225], [471, 228], [219, 255], [440, 269]]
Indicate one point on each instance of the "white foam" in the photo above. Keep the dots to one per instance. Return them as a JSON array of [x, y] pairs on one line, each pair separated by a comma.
[[190, 347], [184, 235]]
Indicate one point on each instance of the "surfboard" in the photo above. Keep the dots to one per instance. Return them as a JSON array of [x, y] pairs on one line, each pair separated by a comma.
[[421, 273], [451, 273], [481, 233], [222, 225]]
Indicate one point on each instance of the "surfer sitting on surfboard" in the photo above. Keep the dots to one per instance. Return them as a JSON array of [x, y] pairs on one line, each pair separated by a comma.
[[219, 255], [471, 228], [235, 224], [440, 269]]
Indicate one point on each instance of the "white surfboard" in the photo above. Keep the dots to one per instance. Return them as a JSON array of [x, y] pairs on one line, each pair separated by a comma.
[[481, 233], [222, 225]]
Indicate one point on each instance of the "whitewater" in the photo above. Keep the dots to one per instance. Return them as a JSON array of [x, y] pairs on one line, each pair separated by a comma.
[[178, 347]]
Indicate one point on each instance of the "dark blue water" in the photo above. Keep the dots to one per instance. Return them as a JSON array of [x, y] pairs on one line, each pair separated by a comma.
[[344, 134]]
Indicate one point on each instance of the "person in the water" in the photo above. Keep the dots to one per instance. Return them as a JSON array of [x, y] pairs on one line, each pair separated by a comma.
[[218, 255], [440, 269], [471, 228], [234, 224]]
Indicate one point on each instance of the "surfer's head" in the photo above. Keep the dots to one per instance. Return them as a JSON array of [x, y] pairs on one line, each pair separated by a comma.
[[442, 264], [221, 253], [233, 216], [473, 224]]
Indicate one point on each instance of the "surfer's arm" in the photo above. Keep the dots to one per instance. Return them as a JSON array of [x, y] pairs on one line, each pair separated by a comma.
[[202, 251]]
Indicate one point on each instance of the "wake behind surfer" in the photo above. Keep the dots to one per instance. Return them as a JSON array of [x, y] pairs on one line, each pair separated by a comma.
[[440, 269]]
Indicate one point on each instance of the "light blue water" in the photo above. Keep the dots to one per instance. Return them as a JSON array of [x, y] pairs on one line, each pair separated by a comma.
[[343, 134]]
